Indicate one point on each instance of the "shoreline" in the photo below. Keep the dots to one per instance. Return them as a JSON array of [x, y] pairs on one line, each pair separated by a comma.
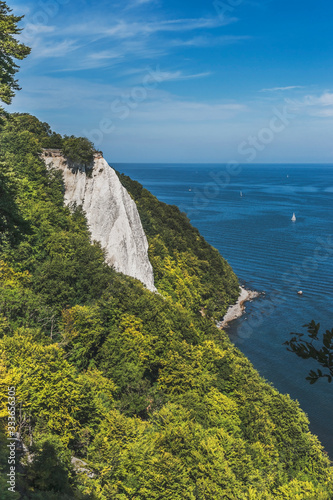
[[238, 309]]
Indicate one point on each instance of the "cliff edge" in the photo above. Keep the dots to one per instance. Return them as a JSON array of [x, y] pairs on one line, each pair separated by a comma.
[[111, 213]]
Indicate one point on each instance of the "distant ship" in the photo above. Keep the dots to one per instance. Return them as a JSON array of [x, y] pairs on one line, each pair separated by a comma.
[[241, 193], [293, 218]]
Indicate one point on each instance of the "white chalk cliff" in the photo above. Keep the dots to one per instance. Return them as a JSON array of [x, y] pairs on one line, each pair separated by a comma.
[[111, 213]]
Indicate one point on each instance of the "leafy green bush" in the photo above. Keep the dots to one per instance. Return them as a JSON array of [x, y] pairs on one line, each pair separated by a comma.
[[78, 150]]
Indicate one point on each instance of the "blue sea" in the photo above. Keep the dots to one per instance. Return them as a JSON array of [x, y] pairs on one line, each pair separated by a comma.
[[245, 212]]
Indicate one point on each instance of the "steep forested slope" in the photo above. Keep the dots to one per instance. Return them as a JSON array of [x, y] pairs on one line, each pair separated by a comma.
[[186, 267], [142, 387]]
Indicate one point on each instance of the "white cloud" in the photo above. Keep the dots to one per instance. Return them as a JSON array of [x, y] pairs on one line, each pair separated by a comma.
[[105, 54], [164, 75], [326, 99], [315, 105], [137, 3], [122, 28], [107, 58], [42, 50], [130, 40], [31, 29], [48, 93], [167, 76], [283, 89], [209, 41]]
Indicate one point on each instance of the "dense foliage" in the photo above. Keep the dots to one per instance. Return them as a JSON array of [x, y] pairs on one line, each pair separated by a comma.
[[123, 393], [78, 150], [10, 50]]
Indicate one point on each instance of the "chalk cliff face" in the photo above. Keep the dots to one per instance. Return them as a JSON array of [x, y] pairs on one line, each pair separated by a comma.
[[111, 213]]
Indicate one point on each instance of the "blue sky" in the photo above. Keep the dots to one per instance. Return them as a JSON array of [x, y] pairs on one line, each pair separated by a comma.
[[190, 81]]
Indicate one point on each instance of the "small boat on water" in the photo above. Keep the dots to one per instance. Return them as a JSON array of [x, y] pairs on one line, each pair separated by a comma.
[[293, 218], [241, 194]]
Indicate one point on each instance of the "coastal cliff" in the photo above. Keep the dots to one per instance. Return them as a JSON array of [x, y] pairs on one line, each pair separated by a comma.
[[96, 360], [111, 213]]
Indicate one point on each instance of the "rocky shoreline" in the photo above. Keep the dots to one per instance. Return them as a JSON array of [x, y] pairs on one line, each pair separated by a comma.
[[237, 310]]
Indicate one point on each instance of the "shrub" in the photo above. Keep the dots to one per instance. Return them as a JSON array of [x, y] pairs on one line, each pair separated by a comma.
[[78, 150]]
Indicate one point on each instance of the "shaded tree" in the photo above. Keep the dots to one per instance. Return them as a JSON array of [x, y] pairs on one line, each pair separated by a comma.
[[50, 468], [308, 350]]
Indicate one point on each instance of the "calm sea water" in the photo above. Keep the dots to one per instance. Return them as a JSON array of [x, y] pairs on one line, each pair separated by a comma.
[[269, 253]]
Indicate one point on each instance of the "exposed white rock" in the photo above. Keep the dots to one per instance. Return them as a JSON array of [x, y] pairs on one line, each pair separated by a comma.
[[236, 311], [111, 213]]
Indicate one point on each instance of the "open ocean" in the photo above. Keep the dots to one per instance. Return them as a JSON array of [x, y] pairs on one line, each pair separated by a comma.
[[269, 253]]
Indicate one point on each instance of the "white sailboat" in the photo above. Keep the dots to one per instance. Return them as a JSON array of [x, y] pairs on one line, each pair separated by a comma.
[[241, 194], [293, 217]]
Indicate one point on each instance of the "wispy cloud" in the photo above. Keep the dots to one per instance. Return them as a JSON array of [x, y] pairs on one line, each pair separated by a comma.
[[110, 57], [139, 3], [130, 40], [326, 99], [315, 105], [88, 54], [164, 76], [282, 89], [167, 76], [125, 29], [32, 29], [48, 50], [52, 93], [210, 41]]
